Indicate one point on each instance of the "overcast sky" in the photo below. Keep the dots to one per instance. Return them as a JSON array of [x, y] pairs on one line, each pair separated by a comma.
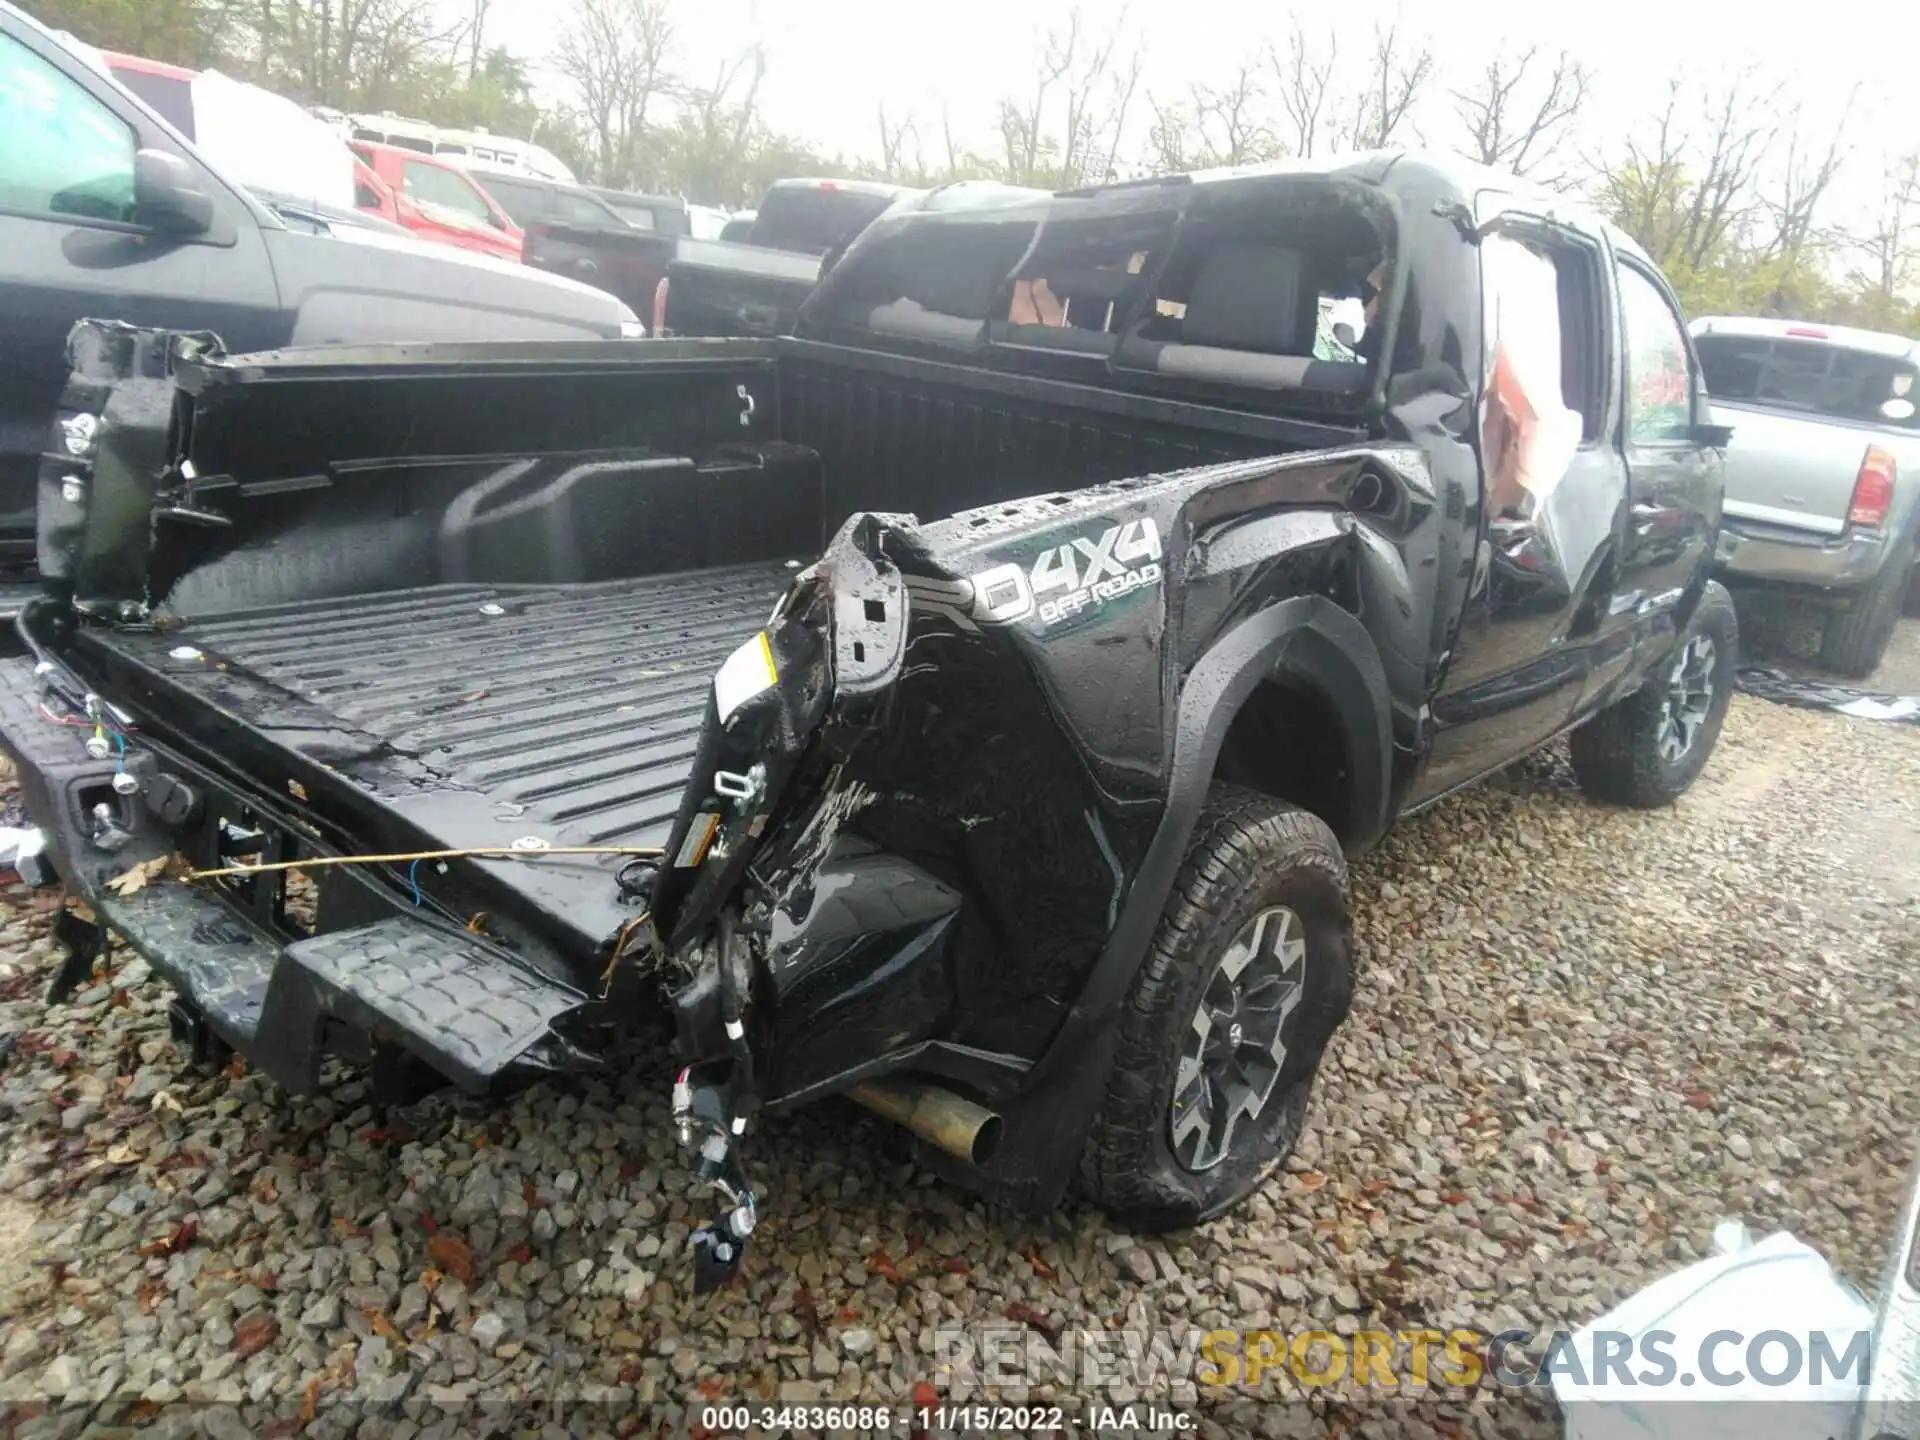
[[831, 63]]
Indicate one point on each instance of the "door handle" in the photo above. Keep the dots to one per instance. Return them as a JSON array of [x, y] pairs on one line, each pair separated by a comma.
[[585, 266]]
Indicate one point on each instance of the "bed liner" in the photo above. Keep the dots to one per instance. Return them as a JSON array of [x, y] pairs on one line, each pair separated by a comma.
[[484, 713]]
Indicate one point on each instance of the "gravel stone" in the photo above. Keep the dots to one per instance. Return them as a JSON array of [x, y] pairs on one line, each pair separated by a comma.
[[1581, 1037]]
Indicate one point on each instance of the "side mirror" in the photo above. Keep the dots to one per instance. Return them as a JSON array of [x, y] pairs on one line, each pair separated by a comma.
[[167, 197], [1343, 332], [1714, 437]]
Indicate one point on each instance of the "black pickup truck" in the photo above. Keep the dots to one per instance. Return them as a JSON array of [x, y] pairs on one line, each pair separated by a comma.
[[715, 287], [1152, 590]]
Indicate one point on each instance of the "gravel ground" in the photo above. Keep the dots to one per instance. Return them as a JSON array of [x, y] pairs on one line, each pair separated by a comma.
[[1582, 1036]]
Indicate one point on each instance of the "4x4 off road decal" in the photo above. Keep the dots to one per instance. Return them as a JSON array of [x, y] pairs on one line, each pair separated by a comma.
[[1064, 581]]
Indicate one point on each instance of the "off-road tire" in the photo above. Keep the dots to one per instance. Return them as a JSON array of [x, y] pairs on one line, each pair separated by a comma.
[[1856, 638], [1616, 754], [1248, 853]]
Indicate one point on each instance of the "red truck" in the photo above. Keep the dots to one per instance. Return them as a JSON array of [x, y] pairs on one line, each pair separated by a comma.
[[436, 201]]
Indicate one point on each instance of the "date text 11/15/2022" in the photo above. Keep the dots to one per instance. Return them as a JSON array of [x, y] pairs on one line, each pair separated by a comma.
[[946, 1419]]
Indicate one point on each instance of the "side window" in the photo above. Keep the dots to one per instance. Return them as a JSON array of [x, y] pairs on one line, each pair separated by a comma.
[[434, 186], [1659, 388], [63, 152]]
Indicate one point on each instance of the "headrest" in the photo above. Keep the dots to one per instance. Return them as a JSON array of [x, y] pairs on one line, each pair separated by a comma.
[[1247, 296]]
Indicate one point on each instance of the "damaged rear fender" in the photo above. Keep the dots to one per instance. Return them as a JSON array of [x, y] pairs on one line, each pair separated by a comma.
[[1306, 641]]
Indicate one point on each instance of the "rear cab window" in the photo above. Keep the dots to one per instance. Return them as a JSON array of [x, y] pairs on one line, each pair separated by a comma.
[[1811, 376], [1271, 298], [1279, 290], [813, 219]]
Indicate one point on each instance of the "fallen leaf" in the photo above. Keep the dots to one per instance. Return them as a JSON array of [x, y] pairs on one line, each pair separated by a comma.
[[310, 1401], [430, 1279], [122, 1155], [522, 1254], [882, 1264], [384, 1327], [254, 1334], [957, 1266], [151, 1294], [846, 1313], [1453, 1197], [453, 1255], [1376, 1187], [1699, 1099], [1310, 1180], [1602, 1167], [173, 1244], [1040, 1267], [534, 1199], [925, 1397], [1036, 1319], [713, 1387], [132, 882], [120, 1000], [165, 1101]]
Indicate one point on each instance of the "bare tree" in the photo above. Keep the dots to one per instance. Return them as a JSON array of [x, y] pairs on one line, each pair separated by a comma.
[[1067, 128], [717, 124], [1888, 248], [895, 141], [1397, 75], [616, 54], [1516, 114], [1684, 190], [1801, 182], [1303, 76], [1325, 114]]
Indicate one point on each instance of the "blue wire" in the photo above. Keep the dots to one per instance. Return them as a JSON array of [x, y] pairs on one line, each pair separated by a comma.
[[413, 879]]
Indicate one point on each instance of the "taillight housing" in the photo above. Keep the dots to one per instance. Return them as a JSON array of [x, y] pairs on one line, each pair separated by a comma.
[[1872, 489], [660, 307]]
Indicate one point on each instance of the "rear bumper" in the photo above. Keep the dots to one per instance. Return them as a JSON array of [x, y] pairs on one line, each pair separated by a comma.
[[1757, 553], [362, 971]]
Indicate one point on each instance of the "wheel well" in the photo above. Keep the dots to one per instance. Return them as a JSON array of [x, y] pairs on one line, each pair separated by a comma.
[[1287, 742]]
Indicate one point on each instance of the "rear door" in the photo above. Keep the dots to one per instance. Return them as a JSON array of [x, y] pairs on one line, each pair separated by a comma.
[[1673, 480], [72, 246]]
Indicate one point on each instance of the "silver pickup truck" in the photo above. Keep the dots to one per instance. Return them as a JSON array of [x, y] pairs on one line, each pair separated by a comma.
[[1823, 472]]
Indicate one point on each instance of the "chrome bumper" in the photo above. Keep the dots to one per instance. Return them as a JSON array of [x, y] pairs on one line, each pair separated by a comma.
[[1769, 553]]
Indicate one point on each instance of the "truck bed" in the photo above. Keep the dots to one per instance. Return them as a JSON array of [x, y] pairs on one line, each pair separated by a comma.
[[570, 714]]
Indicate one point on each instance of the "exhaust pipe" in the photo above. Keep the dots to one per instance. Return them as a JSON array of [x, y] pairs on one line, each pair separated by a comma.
[[941, 1118]]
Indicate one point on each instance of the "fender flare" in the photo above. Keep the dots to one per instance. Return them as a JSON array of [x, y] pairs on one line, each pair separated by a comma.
[[1307, 638]]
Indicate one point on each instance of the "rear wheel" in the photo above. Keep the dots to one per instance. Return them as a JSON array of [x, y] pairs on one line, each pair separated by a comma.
[[1856, 638], [1250, 973], [1646, 750]]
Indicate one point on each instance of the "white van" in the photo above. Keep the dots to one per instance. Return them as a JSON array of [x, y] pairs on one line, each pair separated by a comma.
[[471, 149]]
